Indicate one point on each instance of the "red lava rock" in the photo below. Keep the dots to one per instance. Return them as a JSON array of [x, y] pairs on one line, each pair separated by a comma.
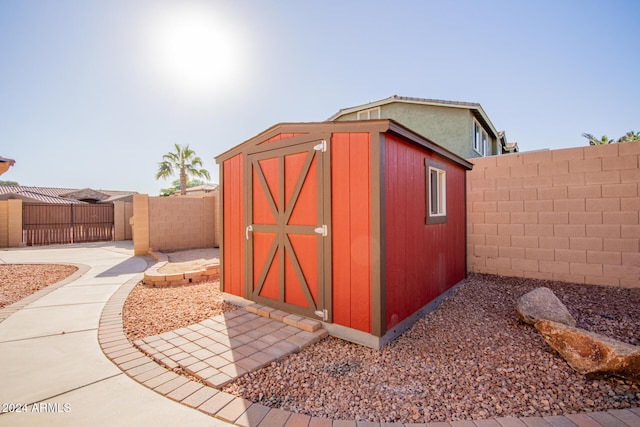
[[429, 373], [18, 281]]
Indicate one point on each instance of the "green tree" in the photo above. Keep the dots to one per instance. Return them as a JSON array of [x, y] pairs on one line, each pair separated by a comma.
[[630, 136], [9, 183], [183, 161], [602, 141]]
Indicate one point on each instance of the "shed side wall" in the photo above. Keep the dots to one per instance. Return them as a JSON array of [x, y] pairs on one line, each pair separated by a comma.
[[233, 214], [351, 230], [422, 261]]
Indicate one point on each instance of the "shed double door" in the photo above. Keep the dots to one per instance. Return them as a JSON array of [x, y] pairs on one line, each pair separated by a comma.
[[286, 231]]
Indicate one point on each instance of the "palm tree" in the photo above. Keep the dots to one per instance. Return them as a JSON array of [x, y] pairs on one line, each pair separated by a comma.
[[630, 136], [602, 141], [186, 162]]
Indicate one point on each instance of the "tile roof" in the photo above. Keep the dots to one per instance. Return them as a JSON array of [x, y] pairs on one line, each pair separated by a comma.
[[33, 197], [52, 194]]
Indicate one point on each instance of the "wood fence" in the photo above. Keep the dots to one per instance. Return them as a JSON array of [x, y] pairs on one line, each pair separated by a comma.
[[46, 224]]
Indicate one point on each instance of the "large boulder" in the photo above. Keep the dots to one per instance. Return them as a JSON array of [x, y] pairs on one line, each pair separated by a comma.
[[592, 354], [543, 304]]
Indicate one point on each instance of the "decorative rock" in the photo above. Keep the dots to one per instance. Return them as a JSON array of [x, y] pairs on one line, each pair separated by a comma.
[[591, 354], [542, 304]]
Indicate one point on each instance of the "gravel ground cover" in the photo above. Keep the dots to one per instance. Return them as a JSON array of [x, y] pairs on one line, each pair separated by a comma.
[[469, 359], [21, 280], [153, 310]]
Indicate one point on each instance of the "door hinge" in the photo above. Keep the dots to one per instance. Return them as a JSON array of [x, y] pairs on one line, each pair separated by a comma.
[[322, 230], [324, 314], [322, 146], [247, 230]]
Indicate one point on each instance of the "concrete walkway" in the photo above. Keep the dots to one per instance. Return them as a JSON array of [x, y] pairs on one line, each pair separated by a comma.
[[49, 353], [64, 357]]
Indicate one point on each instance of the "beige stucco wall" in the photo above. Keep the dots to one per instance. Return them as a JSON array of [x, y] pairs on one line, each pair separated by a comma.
[[10, 223], [568, 215]]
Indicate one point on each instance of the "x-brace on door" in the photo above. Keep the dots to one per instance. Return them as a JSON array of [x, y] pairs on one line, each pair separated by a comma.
[[286, 231]]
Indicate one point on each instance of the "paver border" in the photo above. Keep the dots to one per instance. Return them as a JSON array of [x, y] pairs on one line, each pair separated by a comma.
[[244, 413]]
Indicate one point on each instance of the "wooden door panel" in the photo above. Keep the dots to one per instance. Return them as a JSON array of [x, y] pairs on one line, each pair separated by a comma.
[[265, 195], [305, 249], [285, 247], [265, 265], [303, 212], [268, 171]]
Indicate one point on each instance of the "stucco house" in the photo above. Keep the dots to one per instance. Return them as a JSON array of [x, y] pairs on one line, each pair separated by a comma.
[[461, 127], [199, 190]]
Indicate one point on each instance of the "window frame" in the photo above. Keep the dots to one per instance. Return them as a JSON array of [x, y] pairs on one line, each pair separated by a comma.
[[476, 135], [480, 142], [441, 172], [368, 113]]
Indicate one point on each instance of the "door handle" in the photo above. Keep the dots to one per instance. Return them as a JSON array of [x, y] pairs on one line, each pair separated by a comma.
[[247, 230]]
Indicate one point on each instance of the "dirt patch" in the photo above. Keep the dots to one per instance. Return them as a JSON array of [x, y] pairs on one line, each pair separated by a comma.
[[190, 260], [18, 281]]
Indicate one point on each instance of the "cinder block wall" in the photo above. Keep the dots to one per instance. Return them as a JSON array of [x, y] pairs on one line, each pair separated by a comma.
[[140, 224], [10, 223], [122, 213], [4, 224], [177, 223], [568, 215]]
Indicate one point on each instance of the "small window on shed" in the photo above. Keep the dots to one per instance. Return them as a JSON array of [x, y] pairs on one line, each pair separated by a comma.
[[436, 193], [371, 114]]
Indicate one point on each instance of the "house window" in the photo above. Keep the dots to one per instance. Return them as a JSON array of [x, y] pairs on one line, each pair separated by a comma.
[[436, 193], [480, 140], [485, 148], [371, 114]]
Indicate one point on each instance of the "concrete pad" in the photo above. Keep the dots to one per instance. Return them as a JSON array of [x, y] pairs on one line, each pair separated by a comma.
[[76, 295], [114, 401], [92, 281], [43, 321], [36, 369], [131, 265]]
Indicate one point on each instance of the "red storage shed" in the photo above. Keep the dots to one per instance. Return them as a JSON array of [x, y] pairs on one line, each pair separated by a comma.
[[360, 224]]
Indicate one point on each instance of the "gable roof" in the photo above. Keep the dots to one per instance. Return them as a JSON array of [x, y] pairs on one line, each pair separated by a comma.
[[475, 108], [86, 194]]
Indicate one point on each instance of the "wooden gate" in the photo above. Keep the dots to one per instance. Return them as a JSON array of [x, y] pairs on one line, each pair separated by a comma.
[[46, 224], [285, 231]]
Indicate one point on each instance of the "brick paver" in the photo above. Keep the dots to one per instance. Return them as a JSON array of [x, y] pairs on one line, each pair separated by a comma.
[[217, 356], [228, 336], [627, 416]]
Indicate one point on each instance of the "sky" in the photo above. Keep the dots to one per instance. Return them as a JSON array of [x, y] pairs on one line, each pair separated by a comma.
[[93, 93]]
